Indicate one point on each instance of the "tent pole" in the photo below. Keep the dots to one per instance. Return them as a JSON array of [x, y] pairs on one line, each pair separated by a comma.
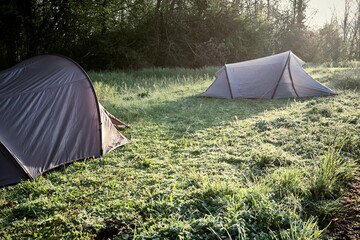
[[282, 73], [292, 81], [227, 78], [95, 97]]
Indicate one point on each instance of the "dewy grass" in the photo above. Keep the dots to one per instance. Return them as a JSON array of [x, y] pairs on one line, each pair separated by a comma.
[[198, 168], [333, 170]]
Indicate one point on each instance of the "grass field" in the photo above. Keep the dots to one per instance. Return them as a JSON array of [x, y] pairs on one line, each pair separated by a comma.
[[200, 168]]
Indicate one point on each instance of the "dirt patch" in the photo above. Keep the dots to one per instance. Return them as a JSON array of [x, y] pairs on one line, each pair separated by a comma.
[[107, 233], [346, 224]]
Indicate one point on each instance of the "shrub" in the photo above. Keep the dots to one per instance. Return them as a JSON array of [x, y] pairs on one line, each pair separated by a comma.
[[347, 80]]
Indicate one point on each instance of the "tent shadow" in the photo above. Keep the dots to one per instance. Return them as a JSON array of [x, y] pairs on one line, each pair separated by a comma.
[[190, 114]]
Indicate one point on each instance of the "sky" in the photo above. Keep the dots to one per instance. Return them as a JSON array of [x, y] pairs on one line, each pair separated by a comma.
[[320, 11]]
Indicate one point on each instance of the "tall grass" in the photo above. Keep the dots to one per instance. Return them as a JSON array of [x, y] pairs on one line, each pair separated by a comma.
[[332, 171], [347, 80]]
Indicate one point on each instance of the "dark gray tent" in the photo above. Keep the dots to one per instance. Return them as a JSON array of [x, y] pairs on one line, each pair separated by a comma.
[[276, 76], [50, 116]]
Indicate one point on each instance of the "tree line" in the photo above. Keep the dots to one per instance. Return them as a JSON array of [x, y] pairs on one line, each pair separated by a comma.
[[111, 34]]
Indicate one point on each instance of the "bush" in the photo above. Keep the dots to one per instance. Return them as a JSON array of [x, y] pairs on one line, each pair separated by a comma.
[[347, 80]]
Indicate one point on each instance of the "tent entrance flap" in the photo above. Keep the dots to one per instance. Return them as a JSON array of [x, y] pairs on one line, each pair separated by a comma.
[[10, 171], [220, 87]]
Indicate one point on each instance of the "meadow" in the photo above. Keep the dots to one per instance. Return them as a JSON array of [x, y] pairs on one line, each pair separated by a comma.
[[200, 168]]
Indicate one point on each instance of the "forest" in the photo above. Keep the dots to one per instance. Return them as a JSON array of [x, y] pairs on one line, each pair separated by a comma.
[[135, 34]]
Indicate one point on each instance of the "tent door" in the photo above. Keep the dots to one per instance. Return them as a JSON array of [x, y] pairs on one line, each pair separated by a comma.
[[10, 171]]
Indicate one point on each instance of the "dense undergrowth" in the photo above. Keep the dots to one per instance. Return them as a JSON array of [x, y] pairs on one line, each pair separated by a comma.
[[200, 168]]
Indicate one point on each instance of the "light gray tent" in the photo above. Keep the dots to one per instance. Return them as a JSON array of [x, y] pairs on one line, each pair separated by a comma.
[[276, 76], [50, 116]]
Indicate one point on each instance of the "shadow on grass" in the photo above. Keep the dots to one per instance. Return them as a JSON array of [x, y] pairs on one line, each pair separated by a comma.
[[190, 114]]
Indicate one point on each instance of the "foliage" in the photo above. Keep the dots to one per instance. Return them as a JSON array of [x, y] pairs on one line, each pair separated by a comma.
[[332, 44], [198, 168], [118, 34]]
